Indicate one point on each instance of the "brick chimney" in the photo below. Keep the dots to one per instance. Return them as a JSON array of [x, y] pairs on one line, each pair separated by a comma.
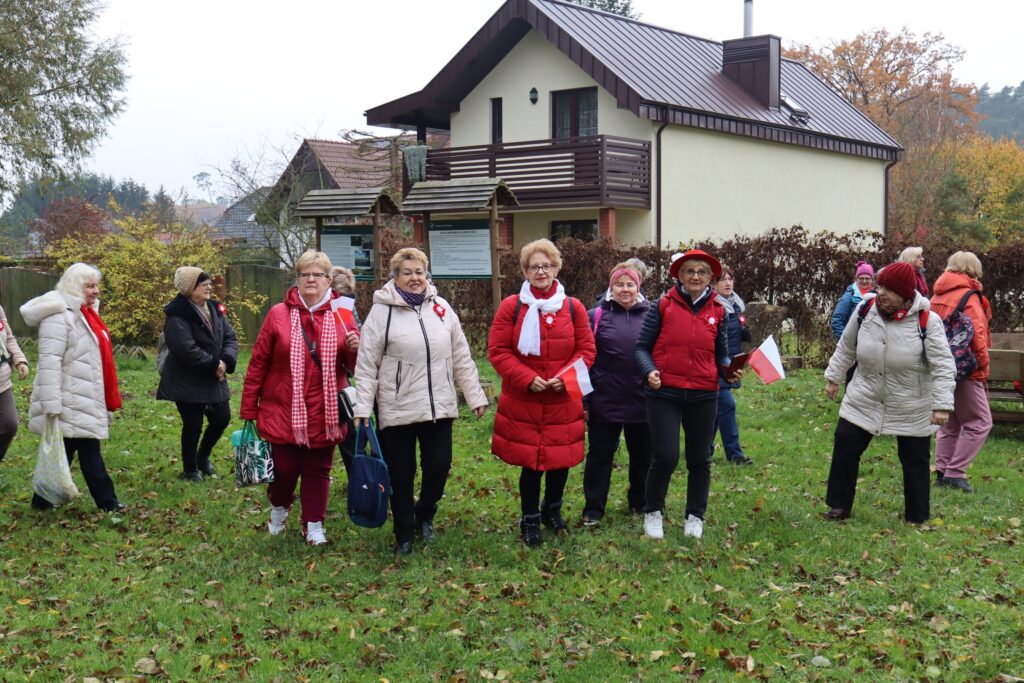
[[754, 64]]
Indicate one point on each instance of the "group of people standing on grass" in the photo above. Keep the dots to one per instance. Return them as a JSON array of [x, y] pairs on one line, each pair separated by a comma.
[[894, 354], [655, 366]]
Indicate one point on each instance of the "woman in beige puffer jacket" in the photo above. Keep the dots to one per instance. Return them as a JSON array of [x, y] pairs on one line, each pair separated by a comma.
[[413, 351], [69, 381], [11, 359], [903, 386]]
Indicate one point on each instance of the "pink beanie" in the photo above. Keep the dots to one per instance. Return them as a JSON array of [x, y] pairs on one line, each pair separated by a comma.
[[864, 268], [628, 272]]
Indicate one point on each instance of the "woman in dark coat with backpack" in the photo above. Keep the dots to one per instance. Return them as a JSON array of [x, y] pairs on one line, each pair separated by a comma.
[[617, 405], [201, 350], [539, 426]]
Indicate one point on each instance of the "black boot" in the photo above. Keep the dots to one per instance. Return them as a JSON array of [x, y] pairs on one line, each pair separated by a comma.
[[206, 467], [551, 515], [529, 527]]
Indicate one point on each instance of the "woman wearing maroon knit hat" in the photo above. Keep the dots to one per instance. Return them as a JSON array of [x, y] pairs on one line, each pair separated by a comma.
[[903, 386]]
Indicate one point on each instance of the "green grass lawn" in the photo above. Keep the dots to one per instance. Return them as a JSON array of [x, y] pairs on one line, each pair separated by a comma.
[[187, 585]]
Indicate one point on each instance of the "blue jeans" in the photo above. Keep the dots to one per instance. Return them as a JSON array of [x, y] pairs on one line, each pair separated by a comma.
[[725, 423]]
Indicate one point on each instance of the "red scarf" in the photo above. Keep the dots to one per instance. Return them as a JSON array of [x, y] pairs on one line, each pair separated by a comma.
[[111, 393]]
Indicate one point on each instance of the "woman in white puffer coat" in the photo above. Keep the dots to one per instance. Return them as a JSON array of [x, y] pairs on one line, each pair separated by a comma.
[[76, 380], [903, 386]]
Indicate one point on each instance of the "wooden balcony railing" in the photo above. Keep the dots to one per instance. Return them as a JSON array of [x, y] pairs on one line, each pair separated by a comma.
[[596, 170]]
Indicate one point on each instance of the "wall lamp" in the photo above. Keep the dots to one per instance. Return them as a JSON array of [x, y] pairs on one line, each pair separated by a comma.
[[533, 95]]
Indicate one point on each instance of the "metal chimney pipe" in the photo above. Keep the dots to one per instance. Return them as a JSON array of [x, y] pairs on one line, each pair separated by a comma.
[[748, 18]]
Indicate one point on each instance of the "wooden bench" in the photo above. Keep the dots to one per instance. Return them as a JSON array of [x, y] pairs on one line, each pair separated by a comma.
[[1006, 365]]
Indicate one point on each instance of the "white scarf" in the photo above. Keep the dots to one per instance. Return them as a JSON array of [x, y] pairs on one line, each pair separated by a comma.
[[529, 333]]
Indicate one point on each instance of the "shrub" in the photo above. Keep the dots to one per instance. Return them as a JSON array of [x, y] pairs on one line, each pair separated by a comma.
[[138, 272]]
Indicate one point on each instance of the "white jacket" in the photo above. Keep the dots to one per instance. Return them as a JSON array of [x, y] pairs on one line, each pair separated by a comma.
[[413, 380], [69, 374], [900, 379]]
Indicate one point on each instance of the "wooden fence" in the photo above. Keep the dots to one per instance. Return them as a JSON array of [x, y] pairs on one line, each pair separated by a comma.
[[18, 285], [266, 280]]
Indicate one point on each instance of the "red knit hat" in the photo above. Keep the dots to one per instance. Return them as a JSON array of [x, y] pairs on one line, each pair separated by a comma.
[[899, 277]]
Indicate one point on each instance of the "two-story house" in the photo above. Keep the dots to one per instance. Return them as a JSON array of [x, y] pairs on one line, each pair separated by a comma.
[[603, 125]]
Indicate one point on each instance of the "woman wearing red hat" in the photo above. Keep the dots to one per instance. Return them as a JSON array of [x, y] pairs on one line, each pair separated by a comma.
[[903, 387], [681, 351]]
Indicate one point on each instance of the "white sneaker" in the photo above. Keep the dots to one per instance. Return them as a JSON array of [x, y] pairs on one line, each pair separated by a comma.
[[694, 527], [277, 517], [653, 526], [315, 533]]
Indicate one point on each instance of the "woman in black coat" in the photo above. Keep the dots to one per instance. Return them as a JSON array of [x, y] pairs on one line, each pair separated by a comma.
[[201, 349]]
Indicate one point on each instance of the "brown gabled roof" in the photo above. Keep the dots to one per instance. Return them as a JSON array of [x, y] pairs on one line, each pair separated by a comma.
[[352, 164], [655, 72]]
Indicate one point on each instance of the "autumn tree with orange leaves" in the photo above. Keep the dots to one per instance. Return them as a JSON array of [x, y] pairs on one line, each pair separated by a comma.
[[905, 84]]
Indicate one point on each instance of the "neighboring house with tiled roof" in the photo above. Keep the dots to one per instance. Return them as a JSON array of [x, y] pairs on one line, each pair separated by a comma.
[[239, 225], [606, 125]]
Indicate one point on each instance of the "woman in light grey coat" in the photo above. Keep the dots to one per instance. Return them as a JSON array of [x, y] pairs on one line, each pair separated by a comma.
[[76, 380], [11, 359], [903, 386]]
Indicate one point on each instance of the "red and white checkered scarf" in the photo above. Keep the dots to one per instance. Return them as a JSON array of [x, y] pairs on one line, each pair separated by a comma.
[[327, 348]]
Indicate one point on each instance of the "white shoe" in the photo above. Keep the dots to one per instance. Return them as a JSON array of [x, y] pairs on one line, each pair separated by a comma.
[[277, 517], [694, 527], [653, 526], [315, 533]]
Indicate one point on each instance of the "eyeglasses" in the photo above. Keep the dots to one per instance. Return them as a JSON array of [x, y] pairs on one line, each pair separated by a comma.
[[690, 272], [540, 269], [312, 276]]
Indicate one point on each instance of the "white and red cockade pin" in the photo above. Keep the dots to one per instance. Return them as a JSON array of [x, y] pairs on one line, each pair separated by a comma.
[[1, 325], [743, 320], [900, 314], [712, 320], [440, 310], [222, 309], [550, 320]]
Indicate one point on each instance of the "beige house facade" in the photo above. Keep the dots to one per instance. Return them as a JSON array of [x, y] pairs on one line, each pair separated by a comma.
[[605, 126]]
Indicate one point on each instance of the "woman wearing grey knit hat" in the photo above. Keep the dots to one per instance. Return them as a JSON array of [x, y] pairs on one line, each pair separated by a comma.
[[201, 350]]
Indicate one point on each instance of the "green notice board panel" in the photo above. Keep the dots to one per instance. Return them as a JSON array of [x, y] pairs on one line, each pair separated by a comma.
[[460, 249], [350, 246]]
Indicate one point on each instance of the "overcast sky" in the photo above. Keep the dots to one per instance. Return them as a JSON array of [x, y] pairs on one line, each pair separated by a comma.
[[217, 79]]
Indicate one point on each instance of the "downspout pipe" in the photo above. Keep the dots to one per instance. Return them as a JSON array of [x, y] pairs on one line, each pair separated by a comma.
[[885, 218], [657, 181]]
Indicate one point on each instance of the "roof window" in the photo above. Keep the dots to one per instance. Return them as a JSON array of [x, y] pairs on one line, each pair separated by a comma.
[[797, 113]]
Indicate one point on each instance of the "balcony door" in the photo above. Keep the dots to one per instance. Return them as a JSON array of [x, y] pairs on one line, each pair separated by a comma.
[[574, 113]]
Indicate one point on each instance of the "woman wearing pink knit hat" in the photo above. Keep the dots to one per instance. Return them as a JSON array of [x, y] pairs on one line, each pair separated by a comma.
[[863, 281]]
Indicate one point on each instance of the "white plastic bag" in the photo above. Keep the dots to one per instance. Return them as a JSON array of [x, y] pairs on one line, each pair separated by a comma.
[[52, 478]]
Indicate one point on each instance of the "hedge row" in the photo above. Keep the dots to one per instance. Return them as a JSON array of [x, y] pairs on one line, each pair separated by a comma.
[[786, 267]]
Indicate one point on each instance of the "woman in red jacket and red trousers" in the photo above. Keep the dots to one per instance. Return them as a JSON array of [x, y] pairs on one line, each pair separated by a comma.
[[296, 370], [539, 426], [680, 350]]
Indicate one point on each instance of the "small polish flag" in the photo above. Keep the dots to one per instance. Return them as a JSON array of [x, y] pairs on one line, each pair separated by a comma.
[[342, 308], [576, 378], [767, 362]]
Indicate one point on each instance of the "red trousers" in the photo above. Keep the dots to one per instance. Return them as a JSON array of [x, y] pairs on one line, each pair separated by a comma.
[[313, 465]]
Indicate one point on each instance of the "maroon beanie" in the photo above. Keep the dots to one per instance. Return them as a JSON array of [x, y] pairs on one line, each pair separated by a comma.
[[899, 277]]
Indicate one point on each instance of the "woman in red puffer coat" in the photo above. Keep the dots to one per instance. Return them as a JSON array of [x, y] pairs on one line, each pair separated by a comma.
[[303, 433], [539, 426], [960, 439]]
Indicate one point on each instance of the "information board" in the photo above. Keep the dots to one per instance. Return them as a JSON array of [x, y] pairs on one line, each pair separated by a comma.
[[460, 249], [350, 246]]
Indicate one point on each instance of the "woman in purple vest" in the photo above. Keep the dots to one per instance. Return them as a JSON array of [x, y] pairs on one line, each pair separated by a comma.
[[617, 404], [682, 351]]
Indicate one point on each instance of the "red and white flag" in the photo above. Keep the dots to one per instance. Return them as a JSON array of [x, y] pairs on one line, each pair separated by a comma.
[[767, 361], [576, 378], [343, 308]]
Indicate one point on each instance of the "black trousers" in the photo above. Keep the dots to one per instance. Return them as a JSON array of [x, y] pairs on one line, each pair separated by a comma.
[[8, 421], [194, 451], [697, 417], [93, 469], [915, 456], [399, 446], [529, 490], [597, 473]]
